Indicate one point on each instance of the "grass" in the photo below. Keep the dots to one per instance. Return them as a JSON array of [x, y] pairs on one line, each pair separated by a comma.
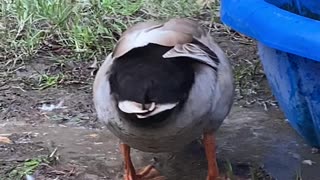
[[255, 172], [29, 166], [46, 81], [25, 168], [75, 30], [84, 30], [229, 170], [62, 31]]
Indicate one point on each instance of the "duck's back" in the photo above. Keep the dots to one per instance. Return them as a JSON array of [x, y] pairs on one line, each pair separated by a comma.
[[144, 76], [164, 85]]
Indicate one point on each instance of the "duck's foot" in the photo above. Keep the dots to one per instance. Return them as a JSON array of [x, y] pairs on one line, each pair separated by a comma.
[[146, 173]]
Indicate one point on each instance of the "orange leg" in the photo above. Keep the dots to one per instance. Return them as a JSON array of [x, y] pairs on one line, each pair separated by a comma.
[[129, 171], [209, 142], [147, 173]]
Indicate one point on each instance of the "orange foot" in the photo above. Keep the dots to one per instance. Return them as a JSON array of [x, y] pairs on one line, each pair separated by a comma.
[[147, 173]]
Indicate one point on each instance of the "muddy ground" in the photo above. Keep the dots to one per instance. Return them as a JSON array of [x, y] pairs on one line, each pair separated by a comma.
[[69, 143]]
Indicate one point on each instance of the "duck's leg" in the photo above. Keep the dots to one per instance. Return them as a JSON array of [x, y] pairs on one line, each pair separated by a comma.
[[209, 142], [147, 173]]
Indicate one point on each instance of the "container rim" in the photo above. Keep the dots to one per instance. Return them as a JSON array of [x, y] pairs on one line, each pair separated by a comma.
[[273, 26]]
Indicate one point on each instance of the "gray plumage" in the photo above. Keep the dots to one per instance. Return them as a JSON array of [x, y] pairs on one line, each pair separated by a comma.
[[210, 98]]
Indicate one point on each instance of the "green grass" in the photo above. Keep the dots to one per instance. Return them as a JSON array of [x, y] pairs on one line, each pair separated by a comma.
[[47, 81], [25, 168], [29, 166], [75, 30]]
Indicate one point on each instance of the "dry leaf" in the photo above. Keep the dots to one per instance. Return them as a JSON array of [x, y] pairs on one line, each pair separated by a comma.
[[308, 162], [94, 65], [204, 3], [93, 135], [5, 140]]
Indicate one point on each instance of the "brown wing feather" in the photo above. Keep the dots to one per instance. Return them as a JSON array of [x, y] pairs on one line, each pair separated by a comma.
[[179, 33], [170, 33]]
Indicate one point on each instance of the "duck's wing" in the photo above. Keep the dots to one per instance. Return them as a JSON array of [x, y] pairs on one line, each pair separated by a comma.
[[186, 36]]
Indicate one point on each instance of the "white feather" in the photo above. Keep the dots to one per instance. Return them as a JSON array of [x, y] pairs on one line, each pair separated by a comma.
[[137, 108], [158, 109], [134, 107]]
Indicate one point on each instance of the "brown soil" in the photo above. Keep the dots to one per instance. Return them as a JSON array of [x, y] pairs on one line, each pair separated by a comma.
[[83, 155]]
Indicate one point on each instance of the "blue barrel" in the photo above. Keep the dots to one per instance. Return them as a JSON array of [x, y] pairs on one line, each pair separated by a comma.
[[288, 35]]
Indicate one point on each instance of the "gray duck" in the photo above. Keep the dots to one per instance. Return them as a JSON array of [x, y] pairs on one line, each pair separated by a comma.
[[164, 85]]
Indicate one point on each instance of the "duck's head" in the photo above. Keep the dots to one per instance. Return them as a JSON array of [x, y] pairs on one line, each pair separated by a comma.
[[153, 68]]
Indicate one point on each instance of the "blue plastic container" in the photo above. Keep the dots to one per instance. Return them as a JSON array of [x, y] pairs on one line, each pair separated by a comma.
[[288, 35]]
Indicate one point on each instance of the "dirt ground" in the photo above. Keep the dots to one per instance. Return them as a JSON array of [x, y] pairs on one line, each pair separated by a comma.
[[69, 143]]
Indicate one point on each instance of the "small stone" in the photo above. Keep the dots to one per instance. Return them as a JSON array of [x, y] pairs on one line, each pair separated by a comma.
[[94, 135], [295, 155], [87, 176], [308, 162], [315, 150], [5, 140], [98, 143], [28, 177]]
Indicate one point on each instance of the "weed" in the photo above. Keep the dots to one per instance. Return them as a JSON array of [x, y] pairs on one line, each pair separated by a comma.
[[229, 170], [29, 166], [258, 173], [299, 175], [46, 81], [75, 29]]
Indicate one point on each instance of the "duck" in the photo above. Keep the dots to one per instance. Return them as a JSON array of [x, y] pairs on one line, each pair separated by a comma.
[[164, 85]]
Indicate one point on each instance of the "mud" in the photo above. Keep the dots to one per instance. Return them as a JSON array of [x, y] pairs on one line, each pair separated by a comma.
[[254, 141]]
